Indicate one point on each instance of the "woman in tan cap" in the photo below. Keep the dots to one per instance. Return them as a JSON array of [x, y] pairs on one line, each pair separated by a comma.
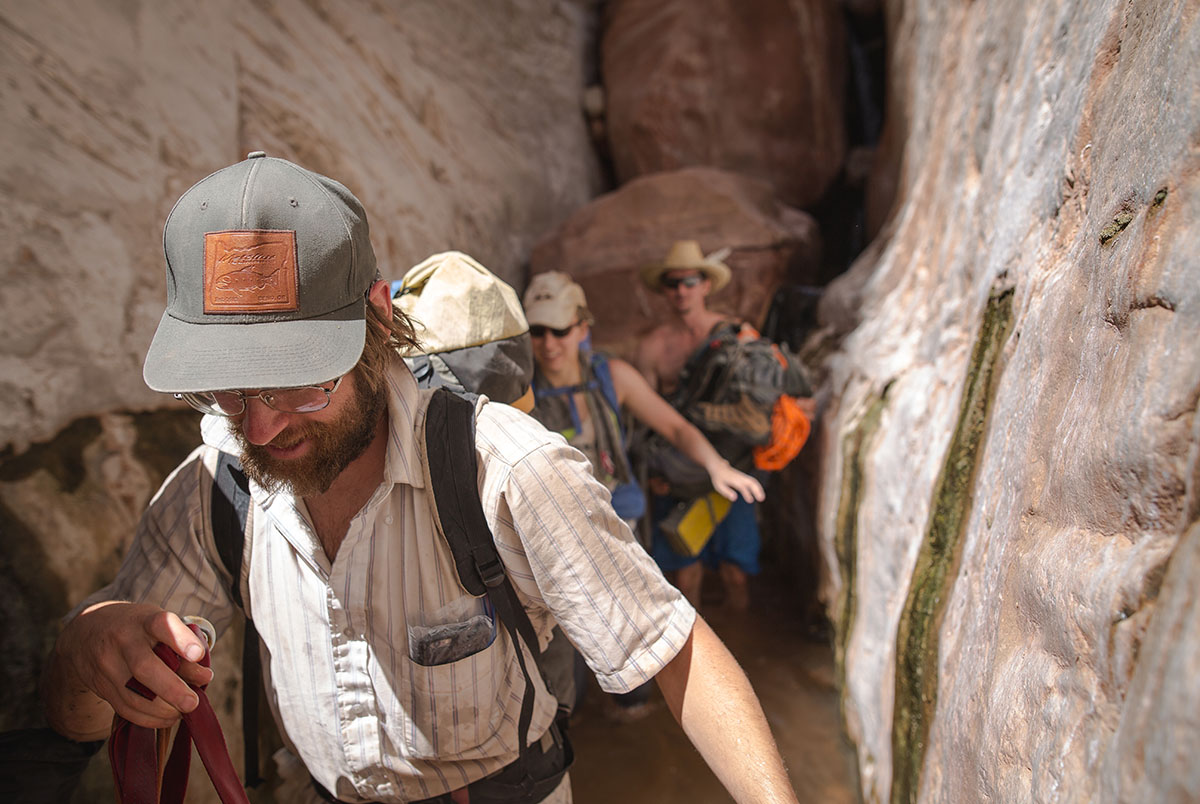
[[579, 393]]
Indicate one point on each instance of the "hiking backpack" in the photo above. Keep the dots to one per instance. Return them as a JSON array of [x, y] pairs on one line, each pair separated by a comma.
[[741, 390]]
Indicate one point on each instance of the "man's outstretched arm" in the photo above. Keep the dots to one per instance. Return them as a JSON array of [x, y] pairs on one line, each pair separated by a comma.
[[713, 701]]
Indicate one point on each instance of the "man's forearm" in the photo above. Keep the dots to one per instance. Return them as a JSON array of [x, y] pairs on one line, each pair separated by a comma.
[[692, 443], [713, 701]]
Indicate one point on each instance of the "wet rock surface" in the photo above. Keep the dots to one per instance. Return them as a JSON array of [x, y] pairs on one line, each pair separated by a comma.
[[1002, 606]]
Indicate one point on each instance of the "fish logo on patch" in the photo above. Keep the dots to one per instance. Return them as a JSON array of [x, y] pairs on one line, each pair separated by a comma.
[[250, 271]]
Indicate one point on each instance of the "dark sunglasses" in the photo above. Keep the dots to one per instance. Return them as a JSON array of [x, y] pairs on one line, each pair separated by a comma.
[[539, 331], [686, 281]]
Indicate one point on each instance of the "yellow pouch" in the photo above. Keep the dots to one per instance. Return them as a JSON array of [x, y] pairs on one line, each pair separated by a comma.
[[690, 524]]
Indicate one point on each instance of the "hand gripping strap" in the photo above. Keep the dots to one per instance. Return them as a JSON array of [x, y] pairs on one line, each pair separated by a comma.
[[137, 753]]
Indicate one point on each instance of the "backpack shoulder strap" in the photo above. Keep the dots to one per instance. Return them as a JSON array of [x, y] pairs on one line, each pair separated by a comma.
[[229, 512], [450, 450], [705, 367], [602, 371]]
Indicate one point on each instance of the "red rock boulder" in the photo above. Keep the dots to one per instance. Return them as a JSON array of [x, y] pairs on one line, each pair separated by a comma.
[[605, 244], [750, 87]]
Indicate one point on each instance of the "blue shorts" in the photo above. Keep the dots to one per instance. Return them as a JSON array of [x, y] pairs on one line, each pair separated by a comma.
[[735, 540]]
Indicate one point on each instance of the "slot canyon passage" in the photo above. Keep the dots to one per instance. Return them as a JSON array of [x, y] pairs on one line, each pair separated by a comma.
[[975, 221]]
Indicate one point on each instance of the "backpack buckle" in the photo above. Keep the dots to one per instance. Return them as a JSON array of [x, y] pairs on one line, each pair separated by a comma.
[[490, 569]]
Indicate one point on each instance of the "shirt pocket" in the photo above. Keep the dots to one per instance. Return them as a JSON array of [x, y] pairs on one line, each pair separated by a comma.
[[456, 709]]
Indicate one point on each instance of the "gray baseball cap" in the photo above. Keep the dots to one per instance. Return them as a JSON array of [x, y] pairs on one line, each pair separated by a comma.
[[268, 267]]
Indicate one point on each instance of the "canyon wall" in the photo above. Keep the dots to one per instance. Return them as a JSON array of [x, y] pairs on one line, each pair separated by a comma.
[[458, 126], [1009, 445]]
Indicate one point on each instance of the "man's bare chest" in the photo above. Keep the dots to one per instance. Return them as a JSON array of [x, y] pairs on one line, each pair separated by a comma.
[[676, 349]]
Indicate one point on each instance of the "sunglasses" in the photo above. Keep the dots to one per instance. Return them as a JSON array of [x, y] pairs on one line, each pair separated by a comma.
[[539, 331], [685, 281]]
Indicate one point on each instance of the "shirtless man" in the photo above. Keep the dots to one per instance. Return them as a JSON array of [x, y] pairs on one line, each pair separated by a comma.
[[685, 278]]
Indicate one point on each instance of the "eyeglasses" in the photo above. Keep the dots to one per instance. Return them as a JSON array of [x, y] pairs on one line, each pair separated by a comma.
[[539, 331], [305, 399], [686, 281]]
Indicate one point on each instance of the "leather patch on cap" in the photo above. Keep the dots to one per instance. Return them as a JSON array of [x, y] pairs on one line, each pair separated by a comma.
[[250, 271]]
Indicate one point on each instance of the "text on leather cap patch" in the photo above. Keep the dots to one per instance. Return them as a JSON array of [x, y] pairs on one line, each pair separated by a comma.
[[250, 271]]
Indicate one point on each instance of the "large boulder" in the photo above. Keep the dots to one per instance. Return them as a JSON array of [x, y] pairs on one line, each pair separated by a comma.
[[1009, 484], [754, 88], [605, 244], [457, 124]]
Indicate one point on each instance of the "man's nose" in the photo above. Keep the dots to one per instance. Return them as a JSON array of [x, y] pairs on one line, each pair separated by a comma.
[[260, 424]]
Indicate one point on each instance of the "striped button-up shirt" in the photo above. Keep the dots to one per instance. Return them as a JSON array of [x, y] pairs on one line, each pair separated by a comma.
[[372, 717]]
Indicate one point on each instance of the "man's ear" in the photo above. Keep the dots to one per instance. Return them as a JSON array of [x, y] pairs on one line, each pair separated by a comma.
[[380, 295]]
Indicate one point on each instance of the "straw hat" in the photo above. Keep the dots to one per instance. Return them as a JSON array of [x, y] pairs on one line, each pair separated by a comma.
[[686, 255]]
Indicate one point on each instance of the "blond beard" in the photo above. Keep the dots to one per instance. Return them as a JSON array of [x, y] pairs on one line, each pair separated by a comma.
[[335, 444]]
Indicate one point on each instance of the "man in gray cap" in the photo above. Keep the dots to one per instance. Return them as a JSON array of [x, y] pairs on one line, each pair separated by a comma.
[[279, 330]]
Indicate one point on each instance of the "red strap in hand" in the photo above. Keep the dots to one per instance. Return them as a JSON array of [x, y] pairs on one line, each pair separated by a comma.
[[138, 753]]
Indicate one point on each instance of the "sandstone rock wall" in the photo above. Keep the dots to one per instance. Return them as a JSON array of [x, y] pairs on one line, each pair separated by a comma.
[[458, 124], [1010, 439]]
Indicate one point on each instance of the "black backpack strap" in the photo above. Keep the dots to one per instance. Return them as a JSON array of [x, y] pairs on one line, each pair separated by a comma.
[[229, 511], [450, 450]]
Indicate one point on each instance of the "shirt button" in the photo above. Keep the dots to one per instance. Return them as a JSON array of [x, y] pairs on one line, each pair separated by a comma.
[[348, 633], [389, 519]]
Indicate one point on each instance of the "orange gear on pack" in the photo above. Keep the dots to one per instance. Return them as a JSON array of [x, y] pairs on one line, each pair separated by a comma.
[[789, 430]]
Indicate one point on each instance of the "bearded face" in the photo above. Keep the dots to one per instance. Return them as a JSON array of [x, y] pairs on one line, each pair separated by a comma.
[[335, 443]]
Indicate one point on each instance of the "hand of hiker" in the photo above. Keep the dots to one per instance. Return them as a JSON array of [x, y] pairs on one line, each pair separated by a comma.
[[730, 483], [111, 642]]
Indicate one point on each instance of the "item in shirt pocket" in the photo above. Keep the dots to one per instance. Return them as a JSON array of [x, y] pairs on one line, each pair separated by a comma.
[[445, 642]]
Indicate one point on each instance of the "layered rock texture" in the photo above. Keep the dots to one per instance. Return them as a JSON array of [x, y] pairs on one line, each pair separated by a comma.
[[457, 124], [1009, 492]]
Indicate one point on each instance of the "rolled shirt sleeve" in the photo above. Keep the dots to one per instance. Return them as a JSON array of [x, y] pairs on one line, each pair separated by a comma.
[[571, 558]]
